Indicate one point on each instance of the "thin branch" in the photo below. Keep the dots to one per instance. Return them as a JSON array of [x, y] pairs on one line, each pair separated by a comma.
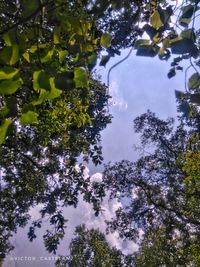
[[116, 64]]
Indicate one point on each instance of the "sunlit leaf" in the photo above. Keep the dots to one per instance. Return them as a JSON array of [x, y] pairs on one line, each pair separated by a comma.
[[29, 117], [80, 77], [26, 57], [8, 87], [155, 20], [62, 54], [4, 111], [194, 81], [10, 54], [106, 39], [8, 73], [54, 92], [3, 130], [56, 35], [41, 80], [44, 95], [34, 48], [46, 56], [141, 42], [10, 38], [188, 34]]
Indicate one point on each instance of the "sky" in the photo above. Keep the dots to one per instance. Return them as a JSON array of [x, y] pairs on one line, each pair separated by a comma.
[[136, 85]]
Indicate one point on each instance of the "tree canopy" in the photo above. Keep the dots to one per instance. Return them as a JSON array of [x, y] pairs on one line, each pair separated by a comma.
[[162, 188], [89, 248], [53, 107]]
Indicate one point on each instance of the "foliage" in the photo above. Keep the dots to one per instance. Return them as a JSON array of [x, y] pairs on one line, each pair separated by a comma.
[[172, 30], [49, 48], [39, 163], [89, 248], [53, 108], [162, 194]]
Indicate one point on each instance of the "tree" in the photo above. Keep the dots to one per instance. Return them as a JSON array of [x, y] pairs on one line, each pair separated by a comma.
[[89, 248], [52, 106], [172, 30], [39, 164], [162, 192]]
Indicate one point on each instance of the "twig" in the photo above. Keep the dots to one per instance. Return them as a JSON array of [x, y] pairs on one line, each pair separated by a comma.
[[116, 64]]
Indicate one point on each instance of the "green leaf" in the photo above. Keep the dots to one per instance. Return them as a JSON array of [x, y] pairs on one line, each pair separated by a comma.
[[44, 95], [4, 129], [186, 15], [141, 42], [8, 73], [104, 60], [188, 34], [194, 81], [92, 60], [4, 111], [29, 117], [106, 39], [80, 77], [41, 80], [10, 54], [10, 38], [54, 92], [62, 54], [34, 48], [148, 50], [26, 56], [56, 35], [155, 20], [46, 55], [9, 87], [76, 25], [182, 46]]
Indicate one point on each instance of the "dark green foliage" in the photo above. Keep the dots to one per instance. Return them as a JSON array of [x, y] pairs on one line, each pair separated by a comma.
[[162, 194], [89, 248]]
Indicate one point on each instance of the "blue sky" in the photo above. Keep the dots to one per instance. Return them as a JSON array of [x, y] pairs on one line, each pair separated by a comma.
[[136, 85]]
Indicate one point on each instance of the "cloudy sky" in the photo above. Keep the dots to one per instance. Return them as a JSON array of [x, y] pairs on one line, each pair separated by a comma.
[[136, 85]]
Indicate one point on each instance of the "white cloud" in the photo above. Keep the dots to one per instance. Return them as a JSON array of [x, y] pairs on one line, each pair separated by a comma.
[[117, 99], [82, 214]]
